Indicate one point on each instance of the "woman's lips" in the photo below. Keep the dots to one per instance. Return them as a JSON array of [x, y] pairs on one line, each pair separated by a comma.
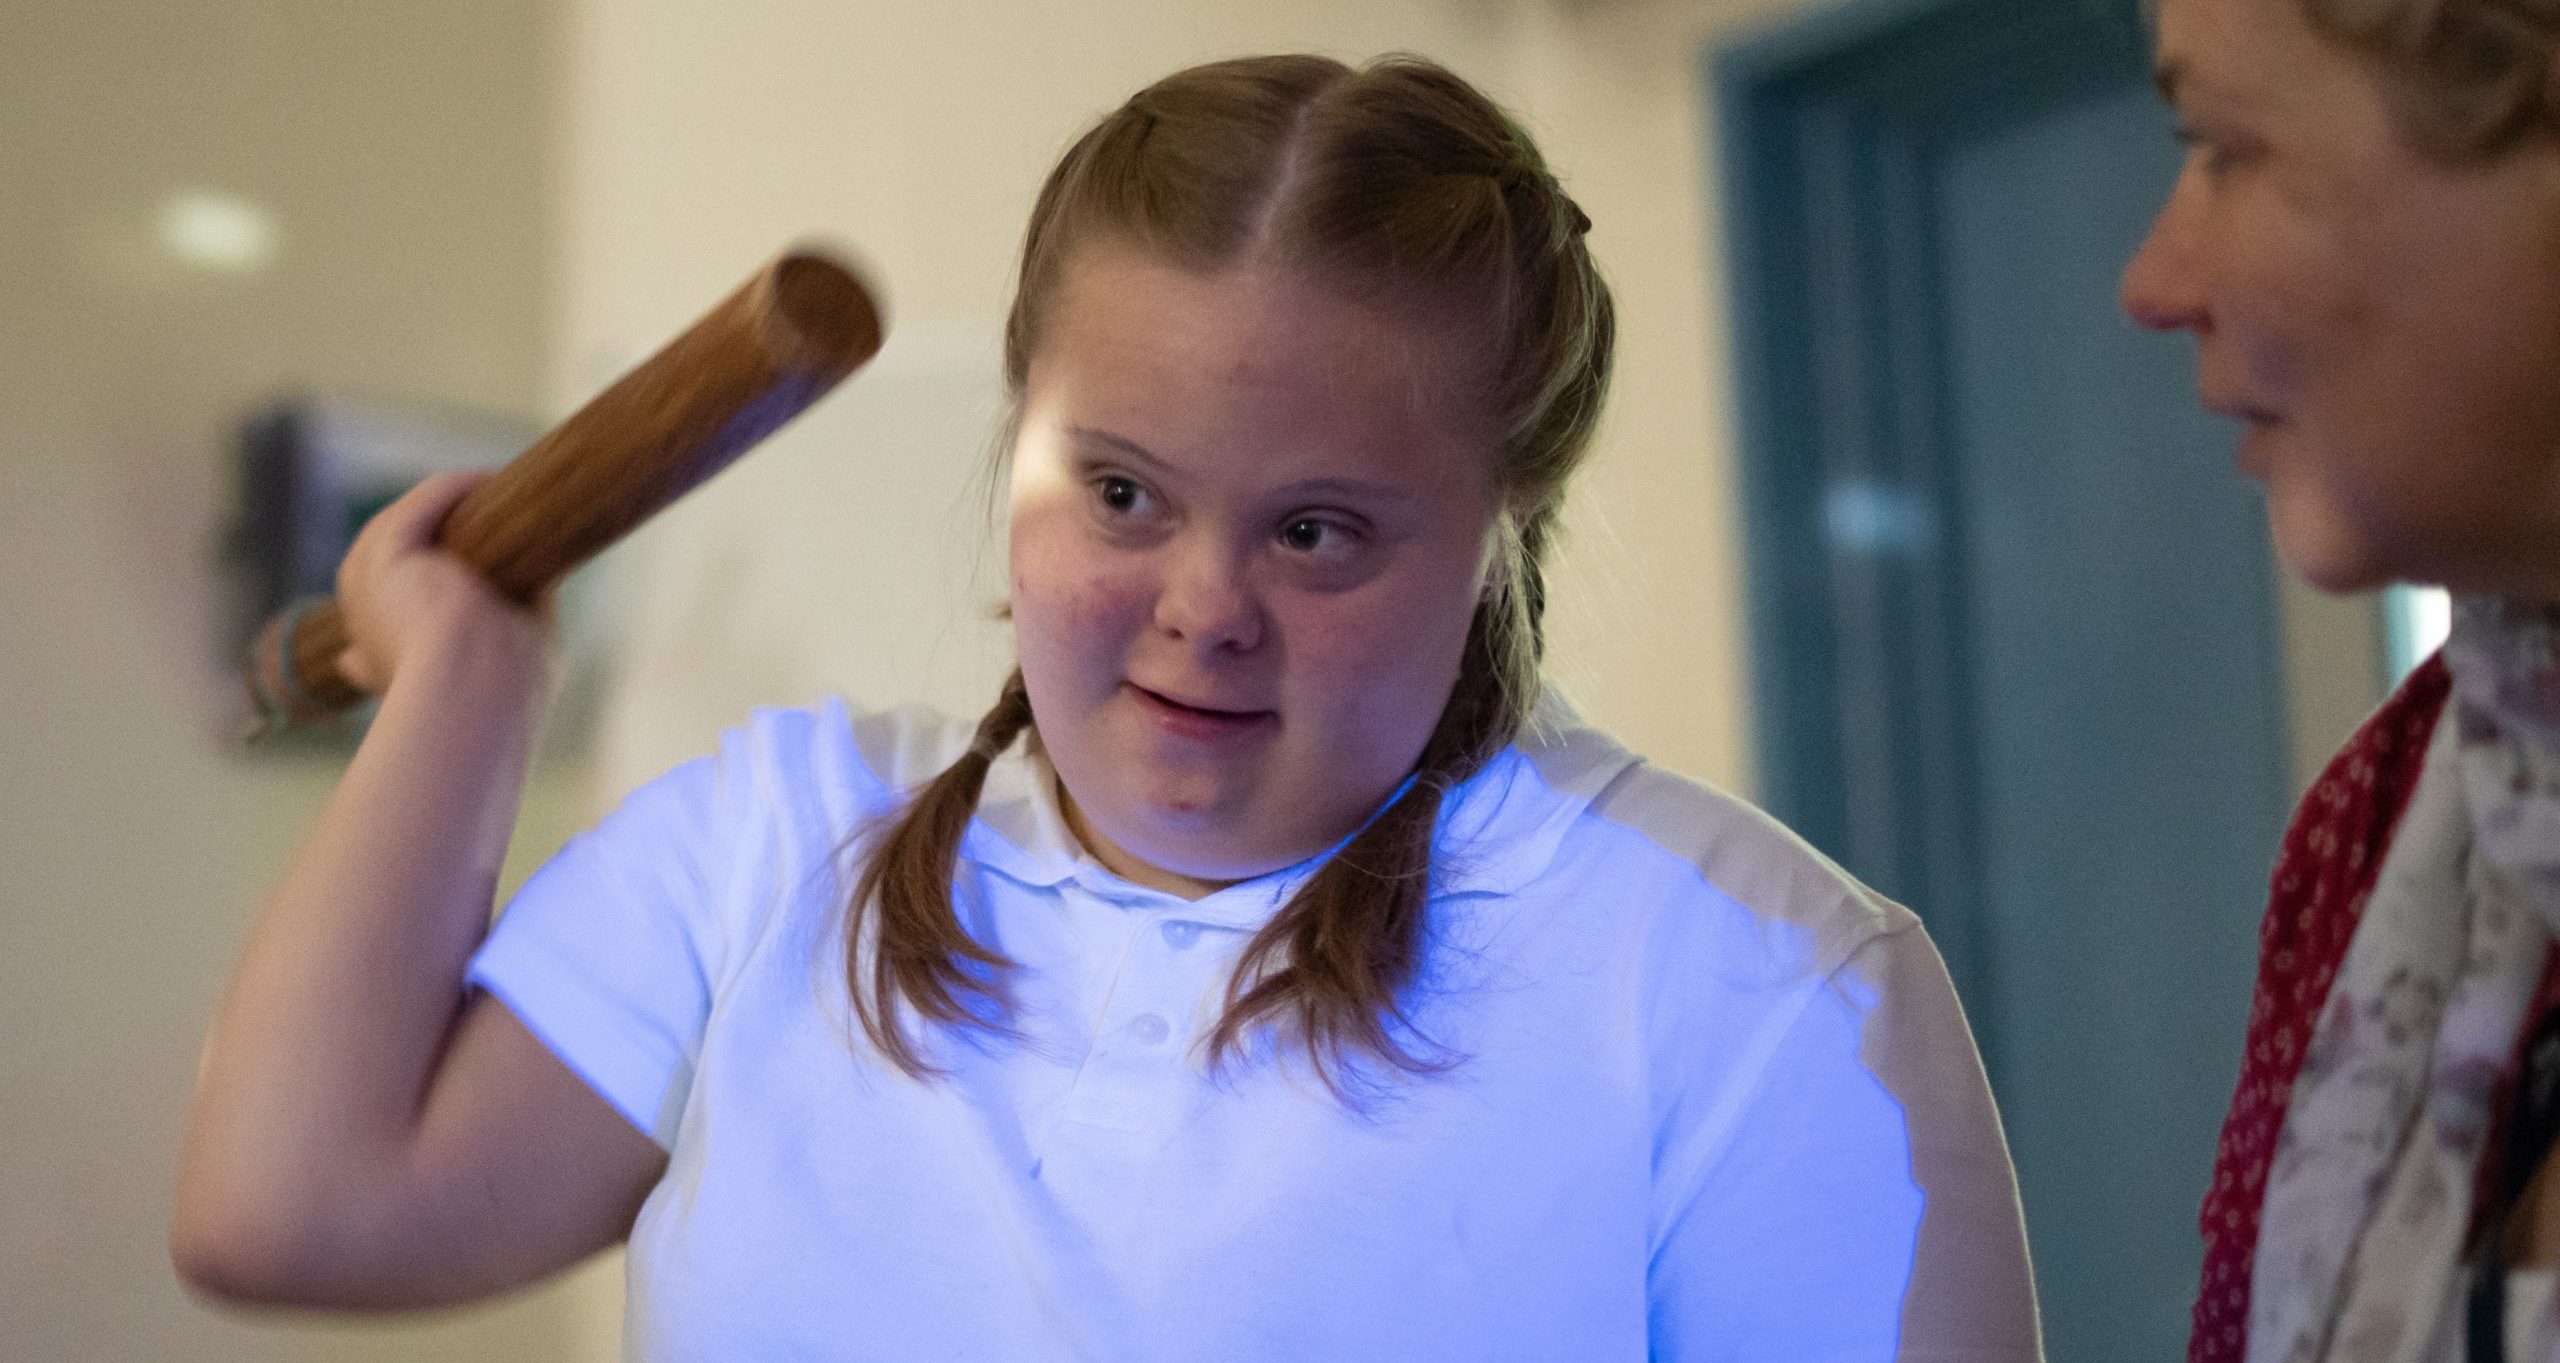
[[1197, 722]]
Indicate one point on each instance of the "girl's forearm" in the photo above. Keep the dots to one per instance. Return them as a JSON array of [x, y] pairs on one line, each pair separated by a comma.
[[326, 1040]]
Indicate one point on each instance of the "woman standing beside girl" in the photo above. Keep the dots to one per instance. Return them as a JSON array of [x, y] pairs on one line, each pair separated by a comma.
[[1272, 974], [2365, 243]]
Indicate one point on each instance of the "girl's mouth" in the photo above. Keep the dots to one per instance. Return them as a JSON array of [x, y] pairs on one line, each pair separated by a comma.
[[1199, 722]]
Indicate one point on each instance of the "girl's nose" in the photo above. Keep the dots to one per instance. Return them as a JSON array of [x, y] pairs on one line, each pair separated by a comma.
[[1208, 602]]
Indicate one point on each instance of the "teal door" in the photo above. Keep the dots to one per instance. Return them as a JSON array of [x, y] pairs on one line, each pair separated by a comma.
[[2015, 614]]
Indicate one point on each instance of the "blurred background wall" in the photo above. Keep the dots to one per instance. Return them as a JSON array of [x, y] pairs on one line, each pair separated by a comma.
[[203, 206], [501, 205]]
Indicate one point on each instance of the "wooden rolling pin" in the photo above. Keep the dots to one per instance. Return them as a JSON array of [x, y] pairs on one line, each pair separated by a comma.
[[775, 346]]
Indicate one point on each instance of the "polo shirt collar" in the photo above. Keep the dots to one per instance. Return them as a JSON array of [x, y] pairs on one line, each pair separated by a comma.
[[1497, 832]]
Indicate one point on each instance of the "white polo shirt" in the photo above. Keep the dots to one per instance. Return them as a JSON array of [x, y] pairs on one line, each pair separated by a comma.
[[1712, 1098]]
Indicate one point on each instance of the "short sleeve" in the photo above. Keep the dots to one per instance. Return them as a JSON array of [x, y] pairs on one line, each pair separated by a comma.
[[607, 953], [1861, 1207], [1972, 1293], [614, 952]]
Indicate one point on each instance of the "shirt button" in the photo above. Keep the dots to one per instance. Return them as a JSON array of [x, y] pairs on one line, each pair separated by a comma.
[[1180, 935], [1149, 1030]]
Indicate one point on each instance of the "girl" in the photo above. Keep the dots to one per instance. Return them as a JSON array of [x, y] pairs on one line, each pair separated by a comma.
[[1272, 973]]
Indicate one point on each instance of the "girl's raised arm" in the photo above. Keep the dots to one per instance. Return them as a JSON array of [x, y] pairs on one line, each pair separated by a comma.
[[364, 1132]]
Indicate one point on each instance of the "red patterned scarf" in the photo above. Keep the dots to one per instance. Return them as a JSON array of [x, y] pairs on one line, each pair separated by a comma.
[[2325, 872]]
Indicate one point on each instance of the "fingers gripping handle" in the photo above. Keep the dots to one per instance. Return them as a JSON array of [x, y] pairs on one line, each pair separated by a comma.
[[778, 344]]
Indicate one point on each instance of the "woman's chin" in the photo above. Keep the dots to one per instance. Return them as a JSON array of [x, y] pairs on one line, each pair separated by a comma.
[[2335, 576], [2322, 546]]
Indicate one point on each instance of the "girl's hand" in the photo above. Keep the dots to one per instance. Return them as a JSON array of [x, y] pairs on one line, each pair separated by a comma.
[[404, 597]]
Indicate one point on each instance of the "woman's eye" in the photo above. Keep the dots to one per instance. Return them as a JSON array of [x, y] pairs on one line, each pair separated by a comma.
[[2214, 155]]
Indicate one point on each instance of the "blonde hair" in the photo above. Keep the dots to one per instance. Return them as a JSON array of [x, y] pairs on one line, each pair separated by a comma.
[[2470, 78], [1399, 180]]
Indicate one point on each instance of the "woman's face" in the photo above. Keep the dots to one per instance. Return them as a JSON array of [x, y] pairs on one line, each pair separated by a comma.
[[2386, 324], [1251, 522]]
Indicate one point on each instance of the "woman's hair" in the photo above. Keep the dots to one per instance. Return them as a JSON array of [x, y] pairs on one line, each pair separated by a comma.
[[1399, 182], [2470, 78]]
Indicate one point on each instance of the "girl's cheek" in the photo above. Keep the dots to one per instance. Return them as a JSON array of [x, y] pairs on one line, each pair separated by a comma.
[[1360, 642], [1048, 558], [1076, 597], [1098, 608]]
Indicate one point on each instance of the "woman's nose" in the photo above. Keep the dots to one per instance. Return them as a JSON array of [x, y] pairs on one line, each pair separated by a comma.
[[2162, 288], [1207, 600]]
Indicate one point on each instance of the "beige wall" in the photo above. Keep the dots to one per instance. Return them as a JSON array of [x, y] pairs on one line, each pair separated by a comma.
[[1649, 608], [398, 149]]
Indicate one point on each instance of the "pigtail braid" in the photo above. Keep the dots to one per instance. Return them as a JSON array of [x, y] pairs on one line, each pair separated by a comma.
[[1332, 969], [919, 952]]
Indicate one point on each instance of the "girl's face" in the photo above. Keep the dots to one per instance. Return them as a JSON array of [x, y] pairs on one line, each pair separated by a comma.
[[1251, 522], [2386, 323]]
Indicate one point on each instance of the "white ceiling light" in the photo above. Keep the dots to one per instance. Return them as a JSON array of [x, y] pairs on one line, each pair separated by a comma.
[[217, 231]]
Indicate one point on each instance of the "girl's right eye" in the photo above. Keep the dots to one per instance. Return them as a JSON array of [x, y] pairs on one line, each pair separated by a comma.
[[1121, 496]]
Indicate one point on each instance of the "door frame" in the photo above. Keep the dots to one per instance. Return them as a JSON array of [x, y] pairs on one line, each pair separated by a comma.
[[1828, 126]]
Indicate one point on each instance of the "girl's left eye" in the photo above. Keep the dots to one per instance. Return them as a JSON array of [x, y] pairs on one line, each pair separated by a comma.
[[1317, 535]]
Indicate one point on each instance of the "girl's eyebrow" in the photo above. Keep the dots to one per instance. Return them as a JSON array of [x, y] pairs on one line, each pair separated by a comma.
[[1337, 487], [1121, 443]]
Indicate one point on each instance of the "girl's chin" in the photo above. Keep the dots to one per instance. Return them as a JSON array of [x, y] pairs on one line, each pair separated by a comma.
[[1215, 862], [1180, 851]]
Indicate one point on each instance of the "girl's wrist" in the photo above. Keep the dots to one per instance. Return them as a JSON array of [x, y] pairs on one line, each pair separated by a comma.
[[482, 652]]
